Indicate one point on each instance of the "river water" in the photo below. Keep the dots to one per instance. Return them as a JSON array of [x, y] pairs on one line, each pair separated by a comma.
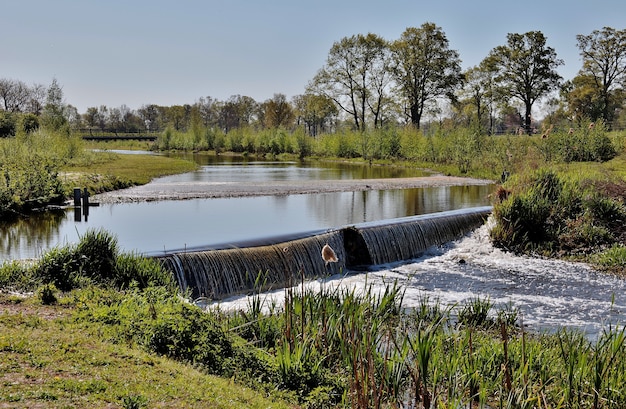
[[549, 294], [153, 227]]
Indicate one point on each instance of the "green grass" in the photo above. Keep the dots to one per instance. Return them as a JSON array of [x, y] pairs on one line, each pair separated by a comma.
[[102, 171], [50, 360]]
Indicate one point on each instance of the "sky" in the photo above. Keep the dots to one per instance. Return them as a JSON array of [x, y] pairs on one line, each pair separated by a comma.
[[138, 52]]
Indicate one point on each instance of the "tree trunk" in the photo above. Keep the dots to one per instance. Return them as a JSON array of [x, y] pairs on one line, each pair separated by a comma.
[[528, 120]]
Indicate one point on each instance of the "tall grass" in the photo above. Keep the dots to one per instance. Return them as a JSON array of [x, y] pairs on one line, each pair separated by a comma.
[[94, 260]]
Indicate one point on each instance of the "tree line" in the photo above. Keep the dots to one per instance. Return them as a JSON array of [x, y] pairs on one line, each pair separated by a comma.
[[369, 82]]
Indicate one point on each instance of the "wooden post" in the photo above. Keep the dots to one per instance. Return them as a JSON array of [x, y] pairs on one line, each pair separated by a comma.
[[85, 198], [76, 196]]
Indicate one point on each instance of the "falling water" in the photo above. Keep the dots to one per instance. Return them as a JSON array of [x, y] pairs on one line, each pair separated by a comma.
[[218, 273], [549, 294]]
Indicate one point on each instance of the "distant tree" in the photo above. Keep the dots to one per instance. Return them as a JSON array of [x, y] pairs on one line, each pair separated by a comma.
[[604, 69], [424, 68], [237, 111], [90, 118], [278, 112], [115, 120], [208, 109], [355, 77], [37, 99], [149, 116], [526, 69], [74, 119], [316, 112], [103, 117], [54, 115], [14, 95]]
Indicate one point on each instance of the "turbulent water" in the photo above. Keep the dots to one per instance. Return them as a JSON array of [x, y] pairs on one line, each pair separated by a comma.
[[549, 294]]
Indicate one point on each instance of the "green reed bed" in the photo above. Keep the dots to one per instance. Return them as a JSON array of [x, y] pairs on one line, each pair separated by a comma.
[[362, 349]]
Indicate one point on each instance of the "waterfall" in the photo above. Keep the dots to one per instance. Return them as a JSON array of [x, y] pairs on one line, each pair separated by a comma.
[[406, 238], [219, 273], [223, 272]]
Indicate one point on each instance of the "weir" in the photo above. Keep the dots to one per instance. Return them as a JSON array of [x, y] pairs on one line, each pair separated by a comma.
[[221, 272]]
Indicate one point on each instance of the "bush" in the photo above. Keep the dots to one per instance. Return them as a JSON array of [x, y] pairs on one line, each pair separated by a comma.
[[544, 214], [95, 259]]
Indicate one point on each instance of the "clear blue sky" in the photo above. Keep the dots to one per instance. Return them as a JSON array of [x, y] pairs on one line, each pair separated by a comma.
[[137, 52]]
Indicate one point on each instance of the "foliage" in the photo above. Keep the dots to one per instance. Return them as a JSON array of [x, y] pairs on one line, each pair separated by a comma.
[[526, 69], [604, 64], [546, 214], [29, 165], [95, 259], [355, 77], [424, 68]]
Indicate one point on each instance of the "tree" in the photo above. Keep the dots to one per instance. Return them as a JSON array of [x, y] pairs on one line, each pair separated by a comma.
[[14, 95], [478, 92], [424, 68], [355, 77], [208, 109], [236, 112], [316, 112], [604, 61], [53, 115], [278, 112], [526, 69], [149, 115]]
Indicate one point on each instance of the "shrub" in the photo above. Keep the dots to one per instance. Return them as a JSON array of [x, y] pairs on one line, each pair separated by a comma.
[[97, 251], [47, 294]]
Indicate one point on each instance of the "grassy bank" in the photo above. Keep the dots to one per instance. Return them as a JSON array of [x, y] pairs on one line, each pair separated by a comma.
[[107, 329], [106, 171], [50, 360]]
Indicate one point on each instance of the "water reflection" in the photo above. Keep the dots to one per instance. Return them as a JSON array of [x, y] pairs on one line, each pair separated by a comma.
[[168, 225]]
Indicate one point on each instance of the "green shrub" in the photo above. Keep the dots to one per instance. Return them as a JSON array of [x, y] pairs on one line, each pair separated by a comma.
[[47, 294], [97, 250]]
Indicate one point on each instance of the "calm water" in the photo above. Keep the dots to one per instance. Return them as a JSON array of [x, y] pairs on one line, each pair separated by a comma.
[[152, 227]]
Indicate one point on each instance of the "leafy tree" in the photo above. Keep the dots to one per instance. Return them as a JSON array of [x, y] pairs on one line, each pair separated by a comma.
[[526, 69], [604, 68], [149, 115], [355, 77], [316, 112], [479, 92], [278, 112], [583, 98], [91, 118], [209, 111], [53, 116], [238, 111], [424, 68]]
